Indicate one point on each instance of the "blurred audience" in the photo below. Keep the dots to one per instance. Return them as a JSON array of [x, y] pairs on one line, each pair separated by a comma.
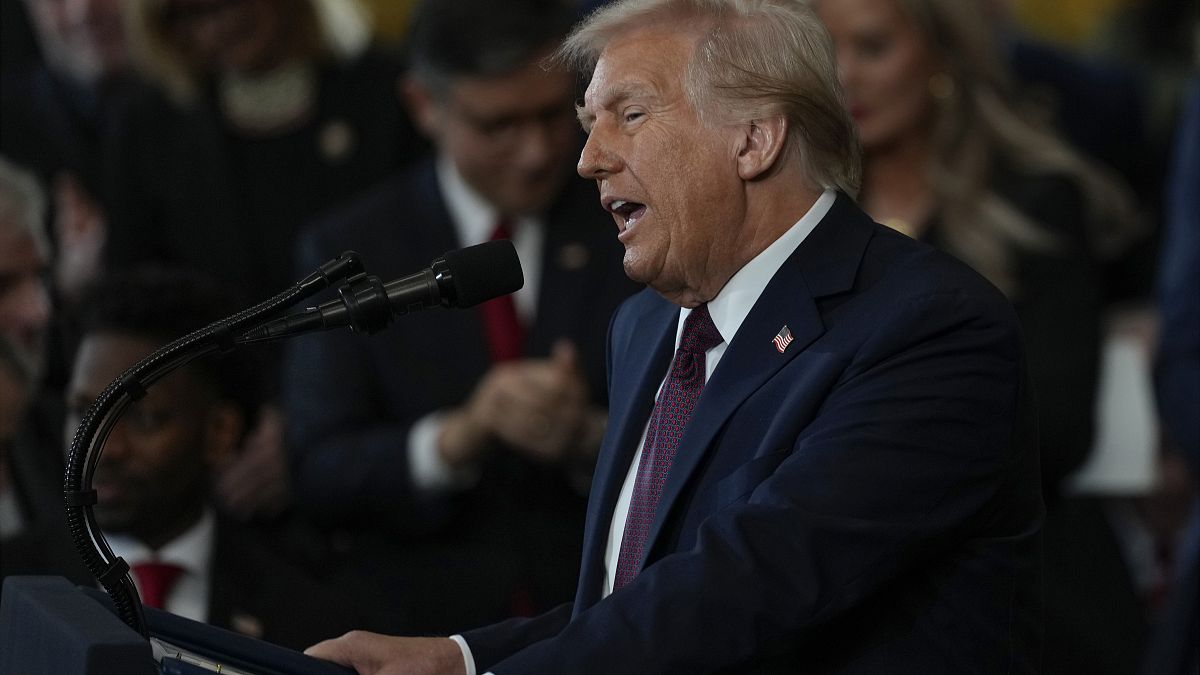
[[949, 159], [1160, 41], [1113, 72], [15, 393], [454, 450], [30, 464], [268, 112], [57, 116], [153, 477]]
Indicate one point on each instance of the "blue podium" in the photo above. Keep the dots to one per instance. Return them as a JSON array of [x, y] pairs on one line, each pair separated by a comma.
[[48, 625]]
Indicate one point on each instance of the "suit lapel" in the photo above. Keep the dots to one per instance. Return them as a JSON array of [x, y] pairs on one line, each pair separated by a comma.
[[825, 263], [646, 349]]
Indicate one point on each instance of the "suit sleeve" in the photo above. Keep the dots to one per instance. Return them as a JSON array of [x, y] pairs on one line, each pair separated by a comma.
[[349, 456], [912, 450]]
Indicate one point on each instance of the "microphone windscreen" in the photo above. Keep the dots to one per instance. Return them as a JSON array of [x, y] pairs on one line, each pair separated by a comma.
[[484, 271]]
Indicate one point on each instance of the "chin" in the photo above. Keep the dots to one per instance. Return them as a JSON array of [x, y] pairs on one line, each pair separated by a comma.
[[636, 269], [115, 522]]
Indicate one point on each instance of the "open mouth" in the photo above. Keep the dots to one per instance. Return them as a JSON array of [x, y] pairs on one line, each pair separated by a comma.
[[629, 212]]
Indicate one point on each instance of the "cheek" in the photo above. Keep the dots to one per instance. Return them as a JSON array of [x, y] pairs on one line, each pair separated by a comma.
[[172, 455], [897, 99], [473, 154]]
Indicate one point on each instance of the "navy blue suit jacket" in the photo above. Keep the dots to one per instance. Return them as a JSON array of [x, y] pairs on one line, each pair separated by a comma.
[[867, 501]]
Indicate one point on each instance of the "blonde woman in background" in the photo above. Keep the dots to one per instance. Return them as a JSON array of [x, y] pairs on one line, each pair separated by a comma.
[[950, 159]]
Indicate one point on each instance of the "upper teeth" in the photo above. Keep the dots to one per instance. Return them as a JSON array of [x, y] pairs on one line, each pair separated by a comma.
[[616, 205]]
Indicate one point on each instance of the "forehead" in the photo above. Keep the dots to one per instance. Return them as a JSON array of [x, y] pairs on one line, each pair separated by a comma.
[[103, 356], [861, 15], [648, 61]]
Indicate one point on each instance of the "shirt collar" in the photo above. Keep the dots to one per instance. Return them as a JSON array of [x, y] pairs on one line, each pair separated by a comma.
[[473, 216], [191, 550], [731, 305]]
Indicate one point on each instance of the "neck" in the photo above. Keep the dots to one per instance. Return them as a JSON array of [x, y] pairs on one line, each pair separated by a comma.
[[162, 536], [772, 207]]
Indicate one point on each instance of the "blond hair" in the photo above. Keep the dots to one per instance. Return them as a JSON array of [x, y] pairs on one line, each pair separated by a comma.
[[976, 124], [754, 59]]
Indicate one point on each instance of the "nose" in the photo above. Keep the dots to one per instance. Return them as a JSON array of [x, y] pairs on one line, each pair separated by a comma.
[[25, 312], [116, 446], [32, 305], [597, 159]]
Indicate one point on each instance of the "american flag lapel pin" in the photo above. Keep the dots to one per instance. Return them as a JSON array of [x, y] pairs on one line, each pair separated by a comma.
[[782, 339]]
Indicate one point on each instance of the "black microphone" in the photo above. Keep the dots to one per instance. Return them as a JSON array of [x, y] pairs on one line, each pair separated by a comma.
[[462, 278]]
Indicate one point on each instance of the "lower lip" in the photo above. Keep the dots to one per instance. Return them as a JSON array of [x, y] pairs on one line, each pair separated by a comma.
[[626, 231]]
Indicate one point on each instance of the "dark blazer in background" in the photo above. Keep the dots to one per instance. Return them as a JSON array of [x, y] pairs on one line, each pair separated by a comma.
[[189, 190], [865, 502], [512, 542]]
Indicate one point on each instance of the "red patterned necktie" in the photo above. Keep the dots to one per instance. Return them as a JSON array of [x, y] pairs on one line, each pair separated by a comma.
[[505, 334], [667, 421], [155, 580]]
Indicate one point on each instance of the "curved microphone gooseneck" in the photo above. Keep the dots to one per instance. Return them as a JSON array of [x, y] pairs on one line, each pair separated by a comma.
[[459, 279], [111, 571]]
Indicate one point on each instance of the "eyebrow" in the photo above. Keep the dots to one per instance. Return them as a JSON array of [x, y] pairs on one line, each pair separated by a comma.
[[612, 98]]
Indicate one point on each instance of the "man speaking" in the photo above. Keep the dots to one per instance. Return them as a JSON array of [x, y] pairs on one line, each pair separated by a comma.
[[820, 452]]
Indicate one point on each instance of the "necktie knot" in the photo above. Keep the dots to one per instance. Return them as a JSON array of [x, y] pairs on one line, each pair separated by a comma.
[[700, 334], [156, 580]]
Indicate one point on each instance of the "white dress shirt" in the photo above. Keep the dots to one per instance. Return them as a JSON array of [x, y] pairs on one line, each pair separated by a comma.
[[192, 550], [474, 219], [728, 310]]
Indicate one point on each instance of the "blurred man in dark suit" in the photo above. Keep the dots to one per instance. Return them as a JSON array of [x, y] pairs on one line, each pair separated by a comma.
[[454, 451]]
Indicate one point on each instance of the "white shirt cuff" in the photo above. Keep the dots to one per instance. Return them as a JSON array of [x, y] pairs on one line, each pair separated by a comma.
[[429, 471], [468, 659]]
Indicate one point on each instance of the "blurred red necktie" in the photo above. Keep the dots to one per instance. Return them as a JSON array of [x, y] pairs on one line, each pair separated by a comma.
[[155, 579], [505, 334]]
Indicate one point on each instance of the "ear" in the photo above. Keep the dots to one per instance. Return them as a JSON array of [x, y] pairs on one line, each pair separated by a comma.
[[223, 430], [423, 106], [761, 145]]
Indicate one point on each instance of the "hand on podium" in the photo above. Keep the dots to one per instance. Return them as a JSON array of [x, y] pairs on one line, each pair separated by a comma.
[[375, 654]]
